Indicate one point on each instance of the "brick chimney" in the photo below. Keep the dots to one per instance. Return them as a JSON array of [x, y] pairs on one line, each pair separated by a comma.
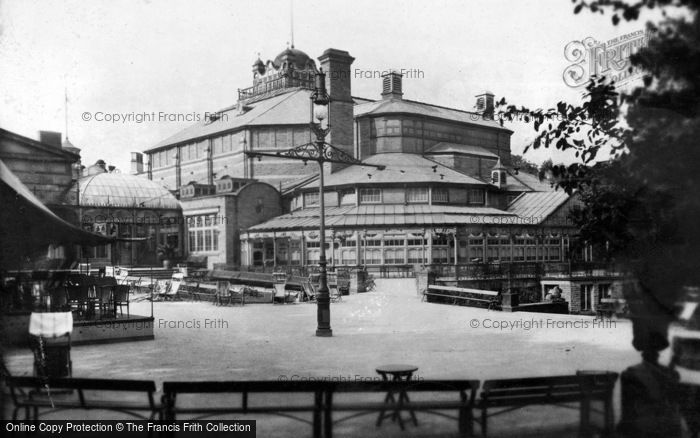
[[484, 104], [50, 138], [391, 85], [336, 64], [136, 163]]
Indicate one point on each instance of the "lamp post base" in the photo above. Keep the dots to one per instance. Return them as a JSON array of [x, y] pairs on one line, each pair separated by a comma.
[[324, 333]]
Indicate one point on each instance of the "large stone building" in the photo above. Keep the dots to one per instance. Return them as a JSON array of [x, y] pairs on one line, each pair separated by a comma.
[[447, 196]]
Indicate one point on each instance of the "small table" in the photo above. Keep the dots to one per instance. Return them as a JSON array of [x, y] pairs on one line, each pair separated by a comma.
[[398, 373]]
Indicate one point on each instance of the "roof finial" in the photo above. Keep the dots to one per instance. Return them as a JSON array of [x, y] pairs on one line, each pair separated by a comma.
[[291, 16]]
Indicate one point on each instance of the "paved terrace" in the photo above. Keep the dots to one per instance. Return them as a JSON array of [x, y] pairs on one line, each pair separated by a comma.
[[389, 325]]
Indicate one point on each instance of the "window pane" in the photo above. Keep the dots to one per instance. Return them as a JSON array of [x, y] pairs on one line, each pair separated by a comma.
[[419, 194], [476, 196], [440, 195], [310, 199], [370, 196]]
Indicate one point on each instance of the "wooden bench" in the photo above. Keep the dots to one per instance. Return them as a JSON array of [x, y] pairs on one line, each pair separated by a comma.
[[460, 295], [311, 399], [605, 309], [463, 402], [584, 388], [203, 291], [30, 394]]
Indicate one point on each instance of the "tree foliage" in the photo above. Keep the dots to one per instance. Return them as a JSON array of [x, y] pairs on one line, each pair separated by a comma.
[[641, 202]]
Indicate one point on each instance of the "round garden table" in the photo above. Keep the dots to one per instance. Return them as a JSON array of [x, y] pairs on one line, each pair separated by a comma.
[[397, 396]]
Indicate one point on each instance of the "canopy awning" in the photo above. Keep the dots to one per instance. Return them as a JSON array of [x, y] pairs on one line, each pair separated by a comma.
[[28, 225]]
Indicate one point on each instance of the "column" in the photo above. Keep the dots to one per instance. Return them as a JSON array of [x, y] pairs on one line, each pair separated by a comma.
[[430, 248], [288, 259], [210, 161], [178, 173], [405, 248], [358, 241], [456, 251], [274, 250]]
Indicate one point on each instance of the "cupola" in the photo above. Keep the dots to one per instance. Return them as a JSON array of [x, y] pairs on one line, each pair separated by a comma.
[[498, 175]]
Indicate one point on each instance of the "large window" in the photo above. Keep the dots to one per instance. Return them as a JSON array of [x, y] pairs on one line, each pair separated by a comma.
[[441, 195], [203, 233], [370, 196], [348, 257], [604, 291], [492, 249], [476, 250], [553, 248], [476, 196], [295, 252], [417, 194], [441, 255], [372, 257], [310, 199], [505, 249], [347, 197], [586, 296], [394, 256]]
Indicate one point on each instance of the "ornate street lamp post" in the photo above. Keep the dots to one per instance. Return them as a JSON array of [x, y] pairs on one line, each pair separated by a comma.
[[322, 153]]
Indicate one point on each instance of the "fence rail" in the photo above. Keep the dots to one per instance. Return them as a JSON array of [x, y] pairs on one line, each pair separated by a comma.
[[463, 271]]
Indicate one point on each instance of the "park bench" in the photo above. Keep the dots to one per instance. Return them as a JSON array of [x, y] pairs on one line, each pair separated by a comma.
[[463, 296], [583, 387], [30, 394], [430, 396], [290, 398], [203, 292], [605, 308]]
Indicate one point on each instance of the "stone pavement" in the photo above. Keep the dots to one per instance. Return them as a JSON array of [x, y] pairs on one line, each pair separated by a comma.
[[199, 341]]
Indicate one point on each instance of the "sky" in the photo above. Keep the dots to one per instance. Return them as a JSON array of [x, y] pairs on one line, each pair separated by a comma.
[[186, 57]]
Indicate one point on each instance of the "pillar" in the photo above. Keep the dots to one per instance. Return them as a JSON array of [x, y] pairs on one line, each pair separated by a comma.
[[274, 250], [430, 248], [456, 250]]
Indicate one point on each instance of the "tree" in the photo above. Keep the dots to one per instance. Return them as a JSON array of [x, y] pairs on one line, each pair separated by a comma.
[[641, 204], [519, 162]]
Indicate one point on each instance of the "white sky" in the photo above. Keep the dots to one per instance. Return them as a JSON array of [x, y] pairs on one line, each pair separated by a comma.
[[191, 57]]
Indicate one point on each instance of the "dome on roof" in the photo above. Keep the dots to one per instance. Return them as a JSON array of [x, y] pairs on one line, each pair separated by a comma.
[[123, 190], [259, 66], [293, 57]]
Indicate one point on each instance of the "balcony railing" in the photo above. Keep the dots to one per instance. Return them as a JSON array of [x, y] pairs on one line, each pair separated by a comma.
[[268, 86], [525, 270]]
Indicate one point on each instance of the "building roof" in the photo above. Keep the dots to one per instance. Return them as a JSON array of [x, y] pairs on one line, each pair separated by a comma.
[[537, 205], [388, 106], [123, 190], [456, 148], [531, 182], [400, 168], [63, 153], [289, 108], [383, 215], [29, 225], [294, 57], [358, 100]]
